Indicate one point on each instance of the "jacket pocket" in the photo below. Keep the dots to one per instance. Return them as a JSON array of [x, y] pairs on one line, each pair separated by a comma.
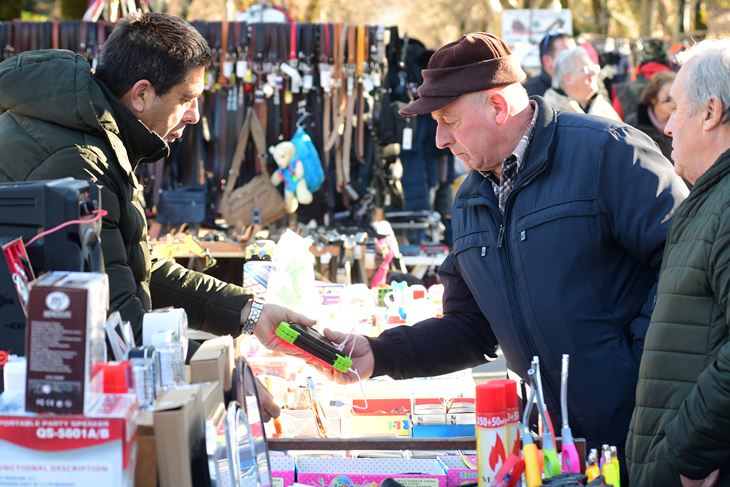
[[473, 244], [568, 209], [474, 256]]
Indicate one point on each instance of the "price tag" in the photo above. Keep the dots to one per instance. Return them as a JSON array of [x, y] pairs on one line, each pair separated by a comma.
[[407, 142], [241, 68]]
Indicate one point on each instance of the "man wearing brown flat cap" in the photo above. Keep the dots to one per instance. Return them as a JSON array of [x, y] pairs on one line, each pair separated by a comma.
[[558, 237]]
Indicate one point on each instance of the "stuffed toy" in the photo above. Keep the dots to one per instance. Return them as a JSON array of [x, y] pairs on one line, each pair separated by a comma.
[[291, 172]]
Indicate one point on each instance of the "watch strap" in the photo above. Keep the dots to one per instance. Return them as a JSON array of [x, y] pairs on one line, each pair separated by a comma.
[[257, 307]]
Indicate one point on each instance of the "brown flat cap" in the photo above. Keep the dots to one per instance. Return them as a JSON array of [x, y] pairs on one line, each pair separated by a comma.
[[476, 62]]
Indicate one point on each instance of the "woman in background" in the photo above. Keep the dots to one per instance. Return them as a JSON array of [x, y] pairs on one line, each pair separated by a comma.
[[653, 111]]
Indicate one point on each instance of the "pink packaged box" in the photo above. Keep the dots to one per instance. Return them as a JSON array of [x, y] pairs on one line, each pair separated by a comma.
[[456, 470], [370, 472], [282, 469]]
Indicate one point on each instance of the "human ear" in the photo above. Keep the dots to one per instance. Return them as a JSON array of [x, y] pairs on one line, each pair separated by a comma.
[[713, 115], [139, 96], [501, 107]]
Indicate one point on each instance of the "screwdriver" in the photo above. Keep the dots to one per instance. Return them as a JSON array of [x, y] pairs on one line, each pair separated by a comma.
[[616, 466], [529, 449], [592, 470], [609, 468], [551, 465], [571, 462]]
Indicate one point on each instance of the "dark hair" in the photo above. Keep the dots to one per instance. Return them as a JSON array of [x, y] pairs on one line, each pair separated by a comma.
[[654, 51], [651, 93], [153, 46], [547, 43]]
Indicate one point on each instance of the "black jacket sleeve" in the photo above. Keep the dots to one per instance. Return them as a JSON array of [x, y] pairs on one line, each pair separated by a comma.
[[211, 304], [461, 339]]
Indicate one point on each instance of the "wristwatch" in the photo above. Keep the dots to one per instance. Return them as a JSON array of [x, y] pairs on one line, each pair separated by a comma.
[[257, 307]]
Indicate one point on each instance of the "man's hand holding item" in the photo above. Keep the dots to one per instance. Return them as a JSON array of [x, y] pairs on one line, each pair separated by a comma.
[[263, 320], [362, 357], [268, 408]]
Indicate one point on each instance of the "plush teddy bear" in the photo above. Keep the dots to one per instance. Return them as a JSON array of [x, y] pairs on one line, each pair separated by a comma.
[[291, 172]]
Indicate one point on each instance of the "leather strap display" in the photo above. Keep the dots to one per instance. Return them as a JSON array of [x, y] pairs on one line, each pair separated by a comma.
[[223, 53], [251, 127], [360, 57]]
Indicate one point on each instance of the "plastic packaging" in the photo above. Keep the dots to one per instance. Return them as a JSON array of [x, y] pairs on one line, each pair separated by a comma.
[[292, 282], [171, 359], [144, 368], [14, 374]]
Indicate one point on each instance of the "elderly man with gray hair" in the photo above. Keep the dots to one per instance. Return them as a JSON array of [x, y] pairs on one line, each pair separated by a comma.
[[680, 429], [575, 85], [559, 231]]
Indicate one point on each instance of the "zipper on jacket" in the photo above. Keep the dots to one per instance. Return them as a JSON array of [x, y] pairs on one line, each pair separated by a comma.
[[507, 268]]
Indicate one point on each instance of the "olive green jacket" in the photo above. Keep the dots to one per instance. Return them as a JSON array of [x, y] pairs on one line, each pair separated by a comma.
[[61, 121], [681, 423]]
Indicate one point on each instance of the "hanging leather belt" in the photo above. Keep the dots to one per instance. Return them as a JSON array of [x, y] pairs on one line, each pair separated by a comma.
[[338, 100], [259, 52], [325, 78], [17, 41], [362, 42], [54, 34], [223, 53], [82, 48], [6, 38], [351, 91]]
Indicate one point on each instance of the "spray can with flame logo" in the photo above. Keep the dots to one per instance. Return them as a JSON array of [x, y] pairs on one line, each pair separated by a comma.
[[491, 430], [512, 444]]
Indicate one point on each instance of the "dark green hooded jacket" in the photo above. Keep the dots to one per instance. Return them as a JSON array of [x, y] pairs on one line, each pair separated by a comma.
[[681, 423], [61, 121]]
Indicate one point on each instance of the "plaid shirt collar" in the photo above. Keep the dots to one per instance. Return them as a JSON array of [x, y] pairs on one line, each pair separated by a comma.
[[513, 164]]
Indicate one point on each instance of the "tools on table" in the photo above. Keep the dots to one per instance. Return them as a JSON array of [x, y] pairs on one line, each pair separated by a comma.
[[571, 462], [537, 467]]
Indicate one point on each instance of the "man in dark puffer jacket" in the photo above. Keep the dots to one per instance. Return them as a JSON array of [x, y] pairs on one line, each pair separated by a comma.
[[680, 429], [63, 120]]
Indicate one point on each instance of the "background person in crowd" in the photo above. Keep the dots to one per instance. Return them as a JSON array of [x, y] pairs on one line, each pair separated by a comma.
[[551, 44], [680, 430], [558, 236], [653, 111], [575, 85], [63, 121], [626, 96]]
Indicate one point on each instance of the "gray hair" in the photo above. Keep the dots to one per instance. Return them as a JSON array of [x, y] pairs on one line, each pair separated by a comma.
[[566, 62], [709, 74]]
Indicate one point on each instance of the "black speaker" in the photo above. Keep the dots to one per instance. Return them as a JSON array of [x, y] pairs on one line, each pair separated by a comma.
[[26, 210]]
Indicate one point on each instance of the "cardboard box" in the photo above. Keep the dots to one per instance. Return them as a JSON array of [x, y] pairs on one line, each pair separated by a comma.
[[179, 426], [361, 472], [282, 470], [382, 417], [64, 341], [214, 361], [442, 430], [457, 472], [71, 450], [212, 396], [212, 408], [145, 472]]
